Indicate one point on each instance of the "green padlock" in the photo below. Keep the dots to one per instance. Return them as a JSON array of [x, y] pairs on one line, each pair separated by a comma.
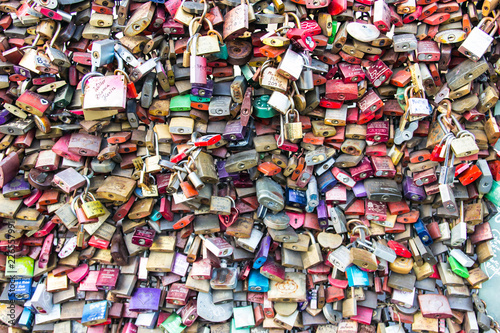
[[180, 103], [262, 109], [173, 324], [334, 33], [199, 99], [400, 97], [64, 96], [20, 267], [457, 268], [248, 73], [494, 194]]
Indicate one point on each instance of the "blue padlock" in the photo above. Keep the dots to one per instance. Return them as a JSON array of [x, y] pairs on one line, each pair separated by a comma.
[[422, 232], [257, 282], [356, 277], [20, 289], [155, 215], [26, 319], [326, 182], [295, 198]]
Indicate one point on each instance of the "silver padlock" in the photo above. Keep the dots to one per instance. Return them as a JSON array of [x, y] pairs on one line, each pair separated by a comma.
[[127, 56], [447, 198], [306, 81], [291, 65], [338, 220], [250, 244], [139, 72], [486, 180], [478, 40], [279, 101], [103, 52], [404, 43], [340, 258]]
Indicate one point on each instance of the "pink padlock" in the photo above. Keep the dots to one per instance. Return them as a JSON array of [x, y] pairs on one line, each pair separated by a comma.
[[61, 149], [79, 273], [296, 219]]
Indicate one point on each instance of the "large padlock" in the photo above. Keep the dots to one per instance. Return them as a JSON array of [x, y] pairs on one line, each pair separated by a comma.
[[479, 39]]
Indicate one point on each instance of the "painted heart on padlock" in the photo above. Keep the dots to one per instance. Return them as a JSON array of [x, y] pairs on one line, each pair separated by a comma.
[[145, 297]]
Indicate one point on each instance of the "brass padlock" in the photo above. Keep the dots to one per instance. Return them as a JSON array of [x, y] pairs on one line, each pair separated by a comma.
[[313, 255], [293, 130]]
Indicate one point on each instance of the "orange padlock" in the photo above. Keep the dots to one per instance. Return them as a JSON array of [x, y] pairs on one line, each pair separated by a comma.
[[269, 169], [470, 175]]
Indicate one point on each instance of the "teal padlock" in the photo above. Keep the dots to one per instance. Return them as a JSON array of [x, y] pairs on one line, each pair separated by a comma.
[[262, 109], [494, 194], [222, 54], [155, 215], [180, 103], [199, 99]]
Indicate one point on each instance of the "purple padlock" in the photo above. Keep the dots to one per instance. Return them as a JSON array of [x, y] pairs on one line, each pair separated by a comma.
[[413, 192], [145, 300], [322, 212], [22, 71], [17, 187], [243, 180], [5, 115], [263, 253], [203, 90], [234, 130], [359, 190], [223, 174]]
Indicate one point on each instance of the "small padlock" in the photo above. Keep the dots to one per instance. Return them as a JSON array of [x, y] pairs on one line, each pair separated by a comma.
[[292, 128]]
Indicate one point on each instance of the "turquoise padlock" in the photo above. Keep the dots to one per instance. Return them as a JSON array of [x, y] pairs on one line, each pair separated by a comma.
[[262, 109], [155, 215], [494, 194], [357, 277], [222, 54]]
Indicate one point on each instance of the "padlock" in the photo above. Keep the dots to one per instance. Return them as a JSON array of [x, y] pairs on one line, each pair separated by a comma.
[[313, 255], [478, 40]]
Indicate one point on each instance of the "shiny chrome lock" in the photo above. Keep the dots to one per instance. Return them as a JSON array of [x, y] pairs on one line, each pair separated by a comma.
[[479, 40], [291, 65]]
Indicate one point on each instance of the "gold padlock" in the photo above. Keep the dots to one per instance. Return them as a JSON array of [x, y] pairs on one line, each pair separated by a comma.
[[313, 255], [293, 130], [93, 208]]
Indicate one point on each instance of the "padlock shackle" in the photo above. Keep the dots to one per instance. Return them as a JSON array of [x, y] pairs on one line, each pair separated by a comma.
[[201, 19], [295, 17], [448, 148], [75, 200], [157, 145], [313, 240], [232, 201], [123, 73], [440, 122], [354, 222], [361, 228], [216, 33], [281, 136], [86, 77], [33, 45], [56, 34]]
